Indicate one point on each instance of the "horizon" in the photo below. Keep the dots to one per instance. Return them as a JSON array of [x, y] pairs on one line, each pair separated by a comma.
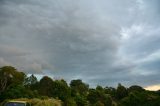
[[101, 42]]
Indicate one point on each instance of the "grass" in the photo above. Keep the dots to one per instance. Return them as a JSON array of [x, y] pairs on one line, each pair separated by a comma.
[[42, 102]]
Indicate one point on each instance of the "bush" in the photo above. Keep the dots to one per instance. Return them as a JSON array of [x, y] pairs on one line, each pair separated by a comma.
[[99, 103], [48, 102], [70, 102]]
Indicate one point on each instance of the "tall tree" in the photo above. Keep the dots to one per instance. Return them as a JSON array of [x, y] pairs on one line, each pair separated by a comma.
[[61, 90], [78, 87], [8, 76], [31, 82], [98, 96], [121, 91], [110, 90], [135, 88], [45, 86]]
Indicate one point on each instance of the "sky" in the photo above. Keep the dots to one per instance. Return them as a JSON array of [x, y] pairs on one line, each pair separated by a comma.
[[102, 42]]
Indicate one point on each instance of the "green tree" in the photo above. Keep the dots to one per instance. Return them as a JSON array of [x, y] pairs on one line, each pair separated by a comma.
[[78, 87], [99, 103], [81, 100], [100, 88], [121, 92], [99, 95], [61, 90], [92, 96], [137, 99], [17, 91], [31, 82], [45, 86], [136, 88], [70, 102], [8, 76], [110, 90]]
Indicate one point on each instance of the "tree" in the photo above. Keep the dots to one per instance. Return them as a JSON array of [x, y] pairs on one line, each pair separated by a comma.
[[135, 88], [110, 90], [70, 102], [99, 88], [92, 96], [16, 91], [121, 92], [31, 82], [78, 87], [81, 100], [98, 95], [45, 86], [61, 90], [8, 76], [99, 103], [108, 100]]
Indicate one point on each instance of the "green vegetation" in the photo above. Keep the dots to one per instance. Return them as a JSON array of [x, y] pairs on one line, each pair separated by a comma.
[[37, 102], [15, 85]]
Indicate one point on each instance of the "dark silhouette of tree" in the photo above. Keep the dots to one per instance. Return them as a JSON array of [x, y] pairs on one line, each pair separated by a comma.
[[121, 91], [15, 84], [92, 96], [46, 86], [110, 90], [98, 96], [31, 82], [78, 87], [61, 90], [135, 88]]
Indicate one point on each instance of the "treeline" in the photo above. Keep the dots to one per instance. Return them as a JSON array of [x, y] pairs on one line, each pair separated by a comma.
[[15, 84]]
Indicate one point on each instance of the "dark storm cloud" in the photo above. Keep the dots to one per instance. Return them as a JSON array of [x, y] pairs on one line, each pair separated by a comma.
[[102, 42]]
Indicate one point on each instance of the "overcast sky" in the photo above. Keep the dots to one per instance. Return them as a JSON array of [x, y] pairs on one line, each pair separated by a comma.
[[102, 42]]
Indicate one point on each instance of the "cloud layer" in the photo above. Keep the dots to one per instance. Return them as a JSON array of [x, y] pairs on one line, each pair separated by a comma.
[[102, 42]]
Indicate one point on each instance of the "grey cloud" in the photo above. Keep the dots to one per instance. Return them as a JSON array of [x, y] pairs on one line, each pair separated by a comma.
[[141, 40], [77, 39]]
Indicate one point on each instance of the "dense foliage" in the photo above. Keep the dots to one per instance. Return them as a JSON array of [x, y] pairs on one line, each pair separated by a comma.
[[15, 84]]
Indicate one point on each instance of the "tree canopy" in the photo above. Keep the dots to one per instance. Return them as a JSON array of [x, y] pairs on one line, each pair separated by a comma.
[[15, 84]]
